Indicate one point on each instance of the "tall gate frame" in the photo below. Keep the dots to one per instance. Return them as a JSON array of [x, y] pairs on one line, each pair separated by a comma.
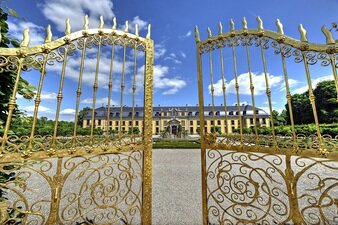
[[130, 156], [235, 190]]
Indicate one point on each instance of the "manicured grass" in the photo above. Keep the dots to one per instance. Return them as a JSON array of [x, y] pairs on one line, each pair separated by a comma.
[[176, 144]]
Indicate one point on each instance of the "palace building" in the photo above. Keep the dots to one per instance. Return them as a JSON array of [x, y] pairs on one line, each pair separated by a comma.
[[171, 117]]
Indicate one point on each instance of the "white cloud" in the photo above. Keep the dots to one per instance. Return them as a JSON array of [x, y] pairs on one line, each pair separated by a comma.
[[183, 54], [99, 101], [314, 82], [30, 109], [160, 50], [142, 25], [170, 85], [37, 33], [188, 34], [244, 84], [58, 10], [176, 61], [48, 96], [67, 111]]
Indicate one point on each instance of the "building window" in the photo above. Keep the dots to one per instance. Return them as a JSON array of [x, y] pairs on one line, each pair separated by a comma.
[[123, 123], [198, 122], [88, 122], [212, 122], [137, 114], [99, 122], [217, 113], [116, 128], [231, 113], [237, 113], [257, 111], [232, 122], [111, 123], [157, 123], [191, 122], [157, 130], [251, 120], [116, 123], [197, 113], [130, 123], [136, 123], [264, 121], [157, 114], [183, 122], [117, 114], [191, 130], [218, 122], [189, 113]]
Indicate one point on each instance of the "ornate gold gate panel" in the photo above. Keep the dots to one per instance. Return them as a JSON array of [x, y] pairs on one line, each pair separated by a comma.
[[270, 178], [81, 179]]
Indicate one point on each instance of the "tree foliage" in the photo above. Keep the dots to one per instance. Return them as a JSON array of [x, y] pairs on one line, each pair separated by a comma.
[[8, 78], [326, 105]]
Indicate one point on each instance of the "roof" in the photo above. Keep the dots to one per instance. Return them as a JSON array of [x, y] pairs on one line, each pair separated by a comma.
[[101, 112]]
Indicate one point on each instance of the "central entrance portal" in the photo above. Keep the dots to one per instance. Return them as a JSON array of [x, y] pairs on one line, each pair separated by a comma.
[[174, 130]]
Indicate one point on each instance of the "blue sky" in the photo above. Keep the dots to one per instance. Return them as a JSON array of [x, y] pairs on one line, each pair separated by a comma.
[[173, 24]]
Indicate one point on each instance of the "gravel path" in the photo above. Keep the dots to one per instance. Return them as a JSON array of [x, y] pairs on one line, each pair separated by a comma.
[[176, 187]]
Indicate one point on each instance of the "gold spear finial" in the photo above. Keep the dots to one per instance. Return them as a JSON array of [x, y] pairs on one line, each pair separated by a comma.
[[49, 34], [136, 29], [260, 23], [126, 27], [86, 23], [279, 27], [114, 23], [101, 22], [68, 27], [232, 25], [245, 24], [328, 35], [220, 28], [209, 32], [302, 32], [197, 34], [0, 35], [149, 31], [26, 38]]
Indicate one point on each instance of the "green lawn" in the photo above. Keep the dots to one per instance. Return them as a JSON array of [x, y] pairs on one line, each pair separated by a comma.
[[176, 144]]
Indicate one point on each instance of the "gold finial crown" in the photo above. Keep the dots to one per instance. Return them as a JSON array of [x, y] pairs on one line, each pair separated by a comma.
[[136, 29], [279, 27], [86, 23], [49, 34], [68, 27], [197, 34], [149, 31], [232, 25], [101, 22], [114, 23], [220, 28], [209, 32], [302, 32], [328, 35], [245, 24], [126, 27], [260, 23], [26, 38]]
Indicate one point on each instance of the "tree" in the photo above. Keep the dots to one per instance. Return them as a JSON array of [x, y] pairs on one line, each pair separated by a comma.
[[279, 119], [8, 78], [82, 114], [326, 105]]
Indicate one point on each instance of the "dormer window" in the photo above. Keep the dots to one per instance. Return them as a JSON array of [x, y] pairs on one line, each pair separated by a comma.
[[210, 113], [197, 113], [137, 113], [157, 114], [117, 114], [217, 113], [189, 113], [231, 113]]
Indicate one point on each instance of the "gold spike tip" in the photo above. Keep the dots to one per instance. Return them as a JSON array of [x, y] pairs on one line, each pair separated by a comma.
[[220, 28], [302, 32], [86, 23], [136, 29], [26, 38], [149, 31], [68, 27], [0, 35], [197, 34], [245, 24], [126, 29], [114, 24], [101, 22], [328, 35], [209, 32], [260, 23], [49, 34], [232, 25], [279, 27]]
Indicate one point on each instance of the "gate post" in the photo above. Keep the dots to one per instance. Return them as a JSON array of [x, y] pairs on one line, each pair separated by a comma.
[[146, 216], [201, 114]]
